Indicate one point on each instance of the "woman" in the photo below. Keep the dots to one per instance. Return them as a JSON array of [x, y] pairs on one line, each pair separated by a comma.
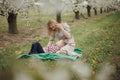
[[61, 31]]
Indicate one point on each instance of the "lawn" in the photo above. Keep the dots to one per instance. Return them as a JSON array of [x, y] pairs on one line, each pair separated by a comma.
[[98, 37]]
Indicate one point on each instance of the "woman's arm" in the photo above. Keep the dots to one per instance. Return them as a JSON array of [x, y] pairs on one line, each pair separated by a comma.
[[66, 33], [65, 30], [51, 40], [50, 43]]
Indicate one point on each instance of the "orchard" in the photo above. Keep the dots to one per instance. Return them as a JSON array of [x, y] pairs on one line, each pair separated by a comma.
[[94, 24]]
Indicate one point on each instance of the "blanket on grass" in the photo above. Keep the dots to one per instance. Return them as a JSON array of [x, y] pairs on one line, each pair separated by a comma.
[[51, 56]]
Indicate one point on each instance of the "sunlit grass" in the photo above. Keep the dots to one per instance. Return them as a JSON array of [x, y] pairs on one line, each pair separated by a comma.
[[96, 38]]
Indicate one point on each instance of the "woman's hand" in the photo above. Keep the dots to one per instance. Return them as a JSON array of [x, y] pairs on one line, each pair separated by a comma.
[[59, 26], [50, 43]]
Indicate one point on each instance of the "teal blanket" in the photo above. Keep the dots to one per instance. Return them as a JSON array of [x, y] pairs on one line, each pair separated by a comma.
[[52, 56]]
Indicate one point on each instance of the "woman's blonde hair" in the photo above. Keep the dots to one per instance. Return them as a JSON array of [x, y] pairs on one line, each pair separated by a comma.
[[50, 31]]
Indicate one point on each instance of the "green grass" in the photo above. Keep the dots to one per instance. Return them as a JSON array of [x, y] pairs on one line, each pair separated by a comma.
[[98, 37]]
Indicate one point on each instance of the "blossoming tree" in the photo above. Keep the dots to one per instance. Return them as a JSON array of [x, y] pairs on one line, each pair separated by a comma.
[[10, 9]]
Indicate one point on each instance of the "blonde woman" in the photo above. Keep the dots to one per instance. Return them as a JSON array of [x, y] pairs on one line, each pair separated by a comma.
[[61, 31]]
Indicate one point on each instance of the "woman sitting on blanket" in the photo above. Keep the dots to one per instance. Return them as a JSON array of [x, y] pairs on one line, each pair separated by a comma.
[[65, 43], [61, 31]]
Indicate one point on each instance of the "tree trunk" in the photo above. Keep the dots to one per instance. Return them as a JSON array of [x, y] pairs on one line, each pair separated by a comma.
[[2, 13], [105, 10], [101, 10], [95, 11], [77, 16], [88, 11], [58, 17], [108, 9], [12, 23]]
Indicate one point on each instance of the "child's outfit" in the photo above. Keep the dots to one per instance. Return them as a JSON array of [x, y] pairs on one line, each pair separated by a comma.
[[52, 49]]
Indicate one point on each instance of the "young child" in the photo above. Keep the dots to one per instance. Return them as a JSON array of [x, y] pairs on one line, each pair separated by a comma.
[[54, 47]]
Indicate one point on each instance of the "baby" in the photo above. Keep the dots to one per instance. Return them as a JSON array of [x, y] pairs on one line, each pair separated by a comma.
[[55, 47]]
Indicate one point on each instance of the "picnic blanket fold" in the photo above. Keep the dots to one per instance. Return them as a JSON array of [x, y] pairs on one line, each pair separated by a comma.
[[52, 56]]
